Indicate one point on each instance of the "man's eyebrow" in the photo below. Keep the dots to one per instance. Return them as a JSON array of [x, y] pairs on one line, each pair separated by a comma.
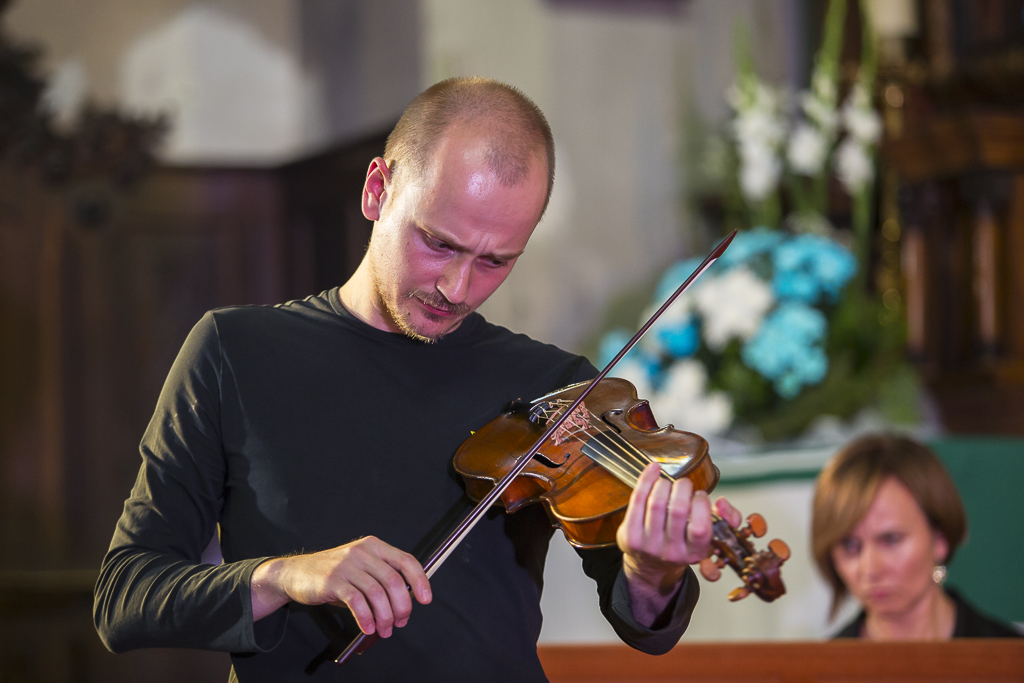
[[458, 247]]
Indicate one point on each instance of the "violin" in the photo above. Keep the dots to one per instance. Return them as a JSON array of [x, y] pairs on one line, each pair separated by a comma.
[[581, 458], [585, 473]]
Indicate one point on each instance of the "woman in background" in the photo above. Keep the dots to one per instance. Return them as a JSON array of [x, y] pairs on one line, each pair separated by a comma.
[[887, 518]]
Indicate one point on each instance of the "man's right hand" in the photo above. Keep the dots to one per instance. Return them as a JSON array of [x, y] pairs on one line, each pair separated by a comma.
[[370, 577]]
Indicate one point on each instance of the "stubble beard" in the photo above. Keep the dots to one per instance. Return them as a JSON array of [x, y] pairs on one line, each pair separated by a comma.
[[434, 299]]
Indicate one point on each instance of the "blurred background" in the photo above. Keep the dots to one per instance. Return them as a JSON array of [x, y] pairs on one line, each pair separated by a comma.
[[159, 158]]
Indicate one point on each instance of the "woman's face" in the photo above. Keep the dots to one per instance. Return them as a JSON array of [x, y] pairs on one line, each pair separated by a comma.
[[887, 560]]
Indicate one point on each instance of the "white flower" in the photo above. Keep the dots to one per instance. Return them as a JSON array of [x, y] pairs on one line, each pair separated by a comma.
[[824, 87], [732, 306], [860, 119], [819, 104], [808, 148], [683, 402], [859, 97], [853, 165], [863, 124], [750, 94], [637, 374], [759, 172], [759, 127], [821, 113]]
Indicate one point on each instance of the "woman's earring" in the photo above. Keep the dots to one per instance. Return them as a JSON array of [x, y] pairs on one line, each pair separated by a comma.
[[939, 574]]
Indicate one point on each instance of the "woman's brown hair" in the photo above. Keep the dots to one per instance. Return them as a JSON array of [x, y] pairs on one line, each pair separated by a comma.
[[848, 484]]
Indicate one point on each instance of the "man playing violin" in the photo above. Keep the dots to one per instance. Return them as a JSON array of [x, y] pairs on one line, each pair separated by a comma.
[[297, 428]]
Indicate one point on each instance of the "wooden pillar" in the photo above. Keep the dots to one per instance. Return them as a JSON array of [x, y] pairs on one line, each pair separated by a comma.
[[50, 474], [985, 248], [915, 272], [1012, 370]]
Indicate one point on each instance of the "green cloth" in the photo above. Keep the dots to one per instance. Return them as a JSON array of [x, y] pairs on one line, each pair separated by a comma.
[[989, 471]]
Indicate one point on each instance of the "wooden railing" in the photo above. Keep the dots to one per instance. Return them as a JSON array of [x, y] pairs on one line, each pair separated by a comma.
[[956, 661]]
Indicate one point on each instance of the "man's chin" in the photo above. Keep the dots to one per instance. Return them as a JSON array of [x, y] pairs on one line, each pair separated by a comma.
[[431, 330]]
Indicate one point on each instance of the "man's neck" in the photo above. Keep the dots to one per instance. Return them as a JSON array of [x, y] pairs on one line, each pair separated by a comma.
[[359, 298]]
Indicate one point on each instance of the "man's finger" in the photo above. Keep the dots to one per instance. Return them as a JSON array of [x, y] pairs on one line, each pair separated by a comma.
[[726, 511], [679, 510], [698, 529], [633, 523], [380, 601], [657, 512], [415, 578], [350, 597]]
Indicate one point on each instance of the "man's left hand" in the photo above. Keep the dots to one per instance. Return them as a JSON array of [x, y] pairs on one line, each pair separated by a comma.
[[667, 527]]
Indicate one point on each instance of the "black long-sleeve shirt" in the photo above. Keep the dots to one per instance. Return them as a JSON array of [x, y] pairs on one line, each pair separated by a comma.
[[298, 428]]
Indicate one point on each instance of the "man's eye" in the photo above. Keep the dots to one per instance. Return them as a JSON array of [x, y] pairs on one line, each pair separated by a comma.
[[496, 263]]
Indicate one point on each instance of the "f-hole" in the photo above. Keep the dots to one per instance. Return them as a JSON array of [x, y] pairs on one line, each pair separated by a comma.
[[548, 462], [616, 412]]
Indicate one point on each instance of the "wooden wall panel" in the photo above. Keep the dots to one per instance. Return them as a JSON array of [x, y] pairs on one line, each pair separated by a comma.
[[962, 206], [99, 286]]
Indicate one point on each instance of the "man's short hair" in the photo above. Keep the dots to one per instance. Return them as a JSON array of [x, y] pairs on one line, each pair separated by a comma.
[[518, 125]]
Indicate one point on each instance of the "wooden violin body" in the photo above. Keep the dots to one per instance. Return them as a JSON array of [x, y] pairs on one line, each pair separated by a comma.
[[583, 497], [585, 472]]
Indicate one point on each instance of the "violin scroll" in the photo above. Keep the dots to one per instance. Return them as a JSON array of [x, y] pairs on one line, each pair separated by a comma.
[[759, 569]]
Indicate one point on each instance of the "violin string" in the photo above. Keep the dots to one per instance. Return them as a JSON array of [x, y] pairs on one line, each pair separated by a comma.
[[613, 456], [605, 457], [622, 467], [619, 468], [612, 451], [620, 443], [626, 461], [619, 457], [639, 459], [629, 472]]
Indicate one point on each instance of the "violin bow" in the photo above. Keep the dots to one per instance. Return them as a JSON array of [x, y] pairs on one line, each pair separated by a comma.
[[363, 641]]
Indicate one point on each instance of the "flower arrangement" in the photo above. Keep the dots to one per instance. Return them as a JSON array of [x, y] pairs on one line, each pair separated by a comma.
[[782, 328]]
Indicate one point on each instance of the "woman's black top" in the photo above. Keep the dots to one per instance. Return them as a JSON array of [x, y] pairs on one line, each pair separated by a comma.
[[969, 623]]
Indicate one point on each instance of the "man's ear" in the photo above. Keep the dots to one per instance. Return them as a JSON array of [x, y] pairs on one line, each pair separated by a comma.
[[375, 189]]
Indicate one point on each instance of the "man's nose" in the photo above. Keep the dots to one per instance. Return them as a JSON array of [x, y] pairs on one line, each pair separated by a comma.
[[456, 278]]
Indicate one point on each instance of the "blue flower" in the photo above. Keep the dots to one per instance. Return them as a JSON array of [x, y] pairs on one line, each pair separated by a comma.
[[808, 267], [750, 244], [612, 342], [803, 271], [679, 340], [788, 386], [834, 266], [795, 285], [787, 349]]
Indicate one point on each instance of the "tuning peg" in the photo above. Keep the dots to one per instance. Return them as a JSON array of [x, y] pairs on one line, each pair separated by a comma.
[[755, 526], [711, 568], [739, 593], [781, 550]]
